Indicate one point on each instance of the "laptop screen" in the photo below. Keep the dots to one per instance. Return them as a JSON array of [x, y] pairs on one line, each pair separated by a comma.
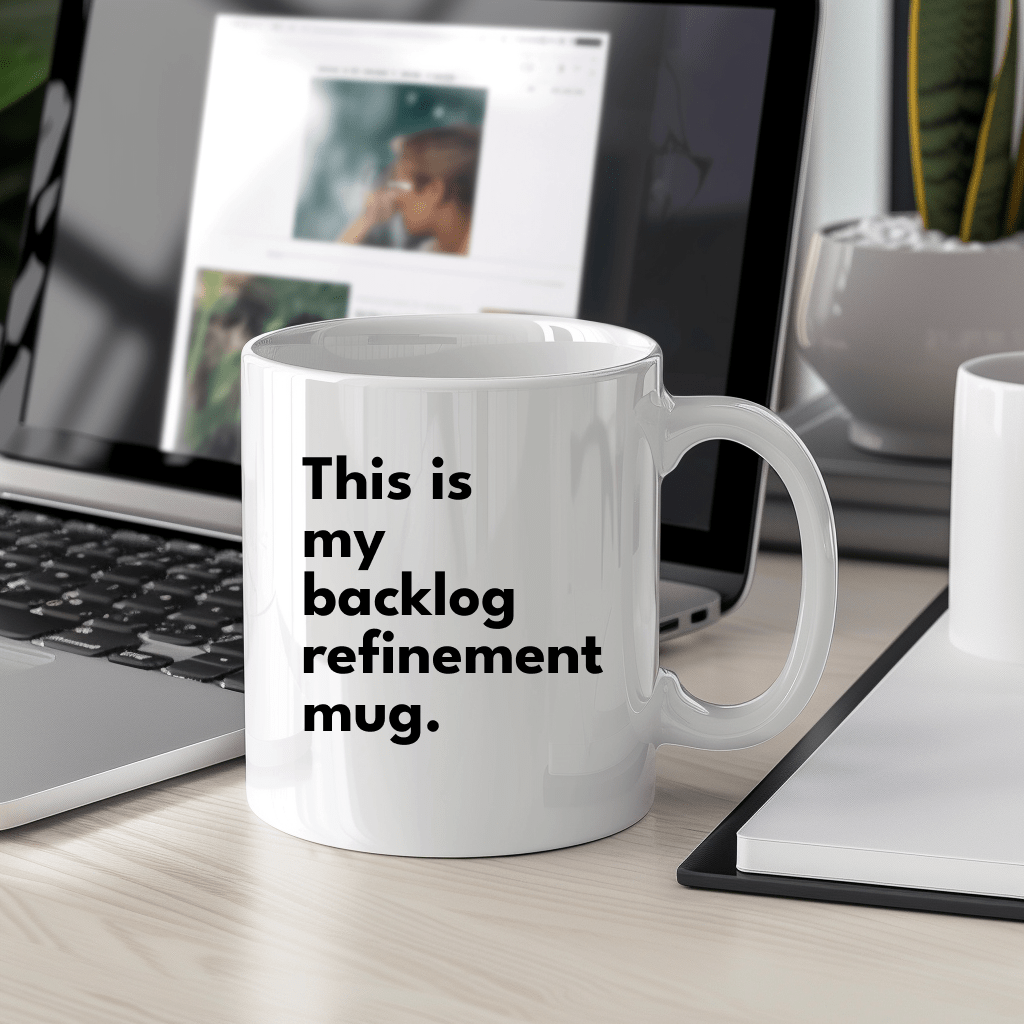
[[359, 168], [234, 167]]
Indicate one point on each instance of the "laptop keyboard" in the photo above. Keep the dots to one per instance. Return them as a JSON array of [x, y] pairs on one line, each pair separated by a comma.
[[148, 599]]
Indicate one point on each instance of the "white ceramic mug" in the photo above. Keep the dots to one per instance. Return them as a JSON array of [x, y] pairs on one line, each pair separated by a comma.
[[986, 528], [473, 669]]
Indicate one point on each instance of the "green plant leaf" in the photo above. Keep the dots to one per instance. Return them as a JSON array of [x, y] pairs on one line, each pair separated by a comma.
[[1013, 202], [985, 205], [26, 39], [949, 71], [1015, 195]]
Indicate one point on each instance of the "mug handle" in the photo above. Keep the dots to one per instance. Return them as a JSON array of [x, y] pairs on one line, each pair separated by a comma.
[[676, 716]]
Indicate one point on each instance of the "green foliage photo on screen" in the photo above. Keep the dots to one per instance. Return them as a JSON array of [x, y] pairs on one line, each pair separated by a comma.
[[229, 309]]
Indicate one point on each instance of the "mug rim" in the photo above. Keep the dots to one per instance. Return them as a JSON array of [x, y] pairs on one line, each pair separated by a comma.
[[976, 368], [652, 354]]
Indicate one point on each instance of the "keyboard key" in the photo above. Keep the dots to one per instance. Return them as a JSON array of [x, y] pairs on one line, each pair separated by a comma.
[[232, 643], [231, 659], [150, 558], [181, 588], [181, 634], [167, 560], [53, 581], [196, 668], [125, 621], [232, 629], [11, 559], [228, 595], [131, 574], [107, 551], [44, 546], [88, 641], [205, 572], [83, 531], [156, 605], [66, 611], [16, 624], [229, 556], [100, 593], [139, 659], [193, 549], [128, 576], [208, 614], [133, 540], [11, 532], [83, 562], [38, 520], [56, 541], [22, 598], [235, 681]]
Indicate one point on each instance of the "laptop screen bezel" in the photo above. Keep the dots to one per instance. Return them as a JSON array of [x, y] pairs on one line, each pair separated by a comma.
[[723, 553]]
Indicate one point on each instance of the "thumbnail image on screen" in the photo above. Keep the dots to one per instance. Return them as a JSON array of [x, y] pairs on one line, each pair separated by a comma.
[[391, 165], [228, 310]]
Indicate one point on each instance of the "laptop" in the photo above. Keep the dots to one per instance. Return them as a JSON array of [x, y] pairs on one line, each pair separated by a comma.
[[209, 170]]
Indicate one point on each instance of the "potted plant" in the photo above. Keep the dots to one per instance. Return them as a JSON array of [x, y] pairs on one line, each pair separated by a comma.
[[890, 306]]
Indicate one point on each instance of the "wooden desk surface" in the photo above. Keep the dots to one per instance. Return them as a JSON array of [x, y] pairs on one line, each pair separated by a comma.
[[176, 904]]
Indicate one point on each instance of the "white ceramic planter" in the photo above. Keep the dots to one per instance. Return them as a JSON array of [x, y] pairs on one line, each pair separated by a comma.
[[887, 329]]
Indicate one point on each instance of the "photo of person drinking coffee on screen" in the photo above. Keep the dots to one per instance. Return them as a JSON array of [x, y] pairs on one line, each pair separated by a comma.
[[430, 186], [390, 165]]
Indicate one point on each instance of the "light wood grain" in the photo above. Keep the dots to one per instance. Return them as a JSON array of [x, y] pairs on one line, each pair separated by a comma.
[[176, 904]]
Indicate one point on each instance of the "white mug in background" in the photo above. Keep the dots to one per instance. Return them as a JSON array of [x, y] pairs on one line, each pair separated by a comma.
[[986, 528], [451, 530]]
